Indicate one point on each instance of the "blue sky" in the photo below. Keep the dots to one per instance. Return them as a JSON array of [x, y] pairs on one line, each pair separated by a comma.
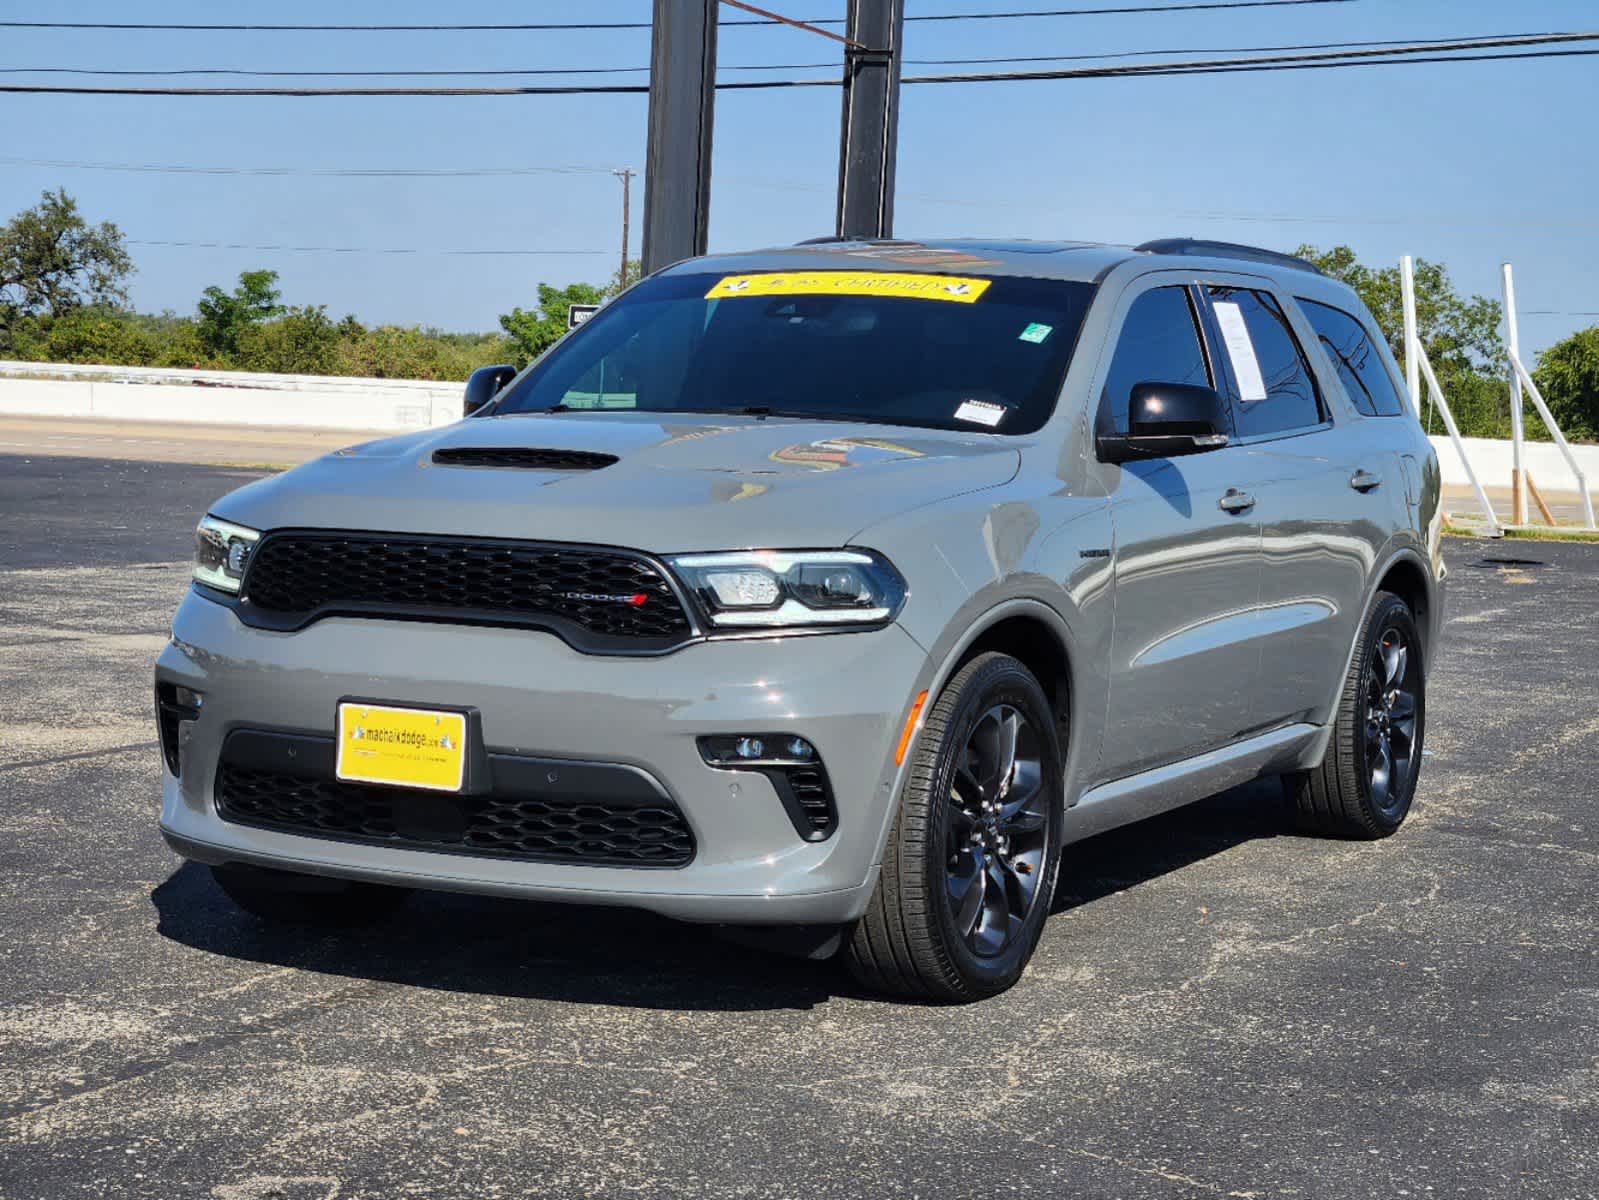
[[1470, 164]]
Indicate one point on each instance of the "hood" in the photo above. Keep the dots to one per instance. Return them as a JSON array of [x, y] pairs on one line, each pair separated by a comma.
[[689, 483]]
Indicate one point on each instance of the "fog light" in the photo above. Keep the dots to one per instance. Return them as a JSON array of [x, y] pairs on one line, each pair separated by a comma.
[[756, 749], [187, 697]]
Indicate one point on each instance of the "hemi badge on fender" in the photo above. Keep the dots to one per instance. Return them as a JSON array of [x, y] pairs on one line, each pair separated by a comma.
[[1105, 553]]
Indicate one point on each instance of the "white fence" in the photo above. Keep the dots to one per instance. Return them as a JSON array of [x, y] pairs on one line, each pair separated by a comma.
[[225, 397], [335, 402]]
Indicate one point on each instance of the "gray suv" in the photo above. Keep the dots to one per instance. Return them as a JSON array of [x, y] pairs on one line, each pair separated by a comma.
[[824, 594]]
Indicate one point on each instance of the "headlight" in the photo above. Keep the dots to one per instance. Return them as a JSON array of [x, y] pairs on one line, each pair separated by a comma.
[[221, 552], [781, 588]]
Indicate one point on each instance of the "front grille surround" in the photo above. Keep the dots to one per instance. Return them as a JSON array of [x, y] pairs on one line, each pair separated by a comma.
[[581, 593], [595, 815]]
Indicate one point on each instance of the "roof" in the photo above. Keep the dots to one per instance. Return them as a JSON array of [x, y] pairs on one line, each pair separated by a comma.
[[1084, 261]]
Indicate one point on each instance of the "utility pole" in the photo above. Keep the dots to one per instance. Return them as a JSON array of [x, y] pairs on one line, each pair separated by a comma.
[[875, 31], [626, 176], [677, 169]]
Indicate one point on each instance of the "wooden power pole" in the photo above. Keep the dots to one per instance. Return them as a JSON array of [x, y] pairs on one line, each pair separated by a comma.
[[626, 176]]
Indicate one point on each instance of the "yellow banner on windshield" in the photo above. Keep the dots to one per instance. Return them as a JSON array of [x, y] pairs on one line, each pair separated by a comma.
[[953, 288]]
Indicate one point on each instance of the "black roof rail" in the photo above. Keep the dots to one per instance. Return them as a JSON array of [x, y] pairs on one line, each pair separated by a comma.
[[1198, 247]]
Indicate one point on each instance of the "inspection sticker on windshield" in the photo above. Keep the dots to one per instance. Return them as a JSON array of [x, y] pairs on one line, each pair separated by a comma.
[[1240, 350], [981, 412], [1036, 333], [953, 288]]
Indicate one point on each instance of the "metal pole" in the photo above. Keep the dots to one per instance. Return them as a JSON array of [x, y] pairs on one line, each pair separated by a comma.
[[626, 176], [871, 118], [1407, 279], [1518, 502], [1524, 377], [677, 170]]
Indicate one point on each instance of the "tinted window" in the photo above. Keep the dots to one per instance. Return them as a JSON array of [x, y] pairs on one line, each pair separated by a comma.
[[1276, 390], [1360, 367], [848, 346], [1159, 343]]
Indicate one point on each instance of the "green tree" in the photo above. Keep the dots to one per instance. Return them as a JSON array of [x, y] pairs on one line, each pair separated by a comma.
[[302, 342], [52, 261], [530, 334], [623, 280], [224, 318], [1568, 377]]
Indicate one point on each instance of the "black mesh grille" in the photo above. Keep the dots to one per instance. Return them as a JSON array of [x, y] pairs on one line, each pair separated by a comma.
[[527, 827], [609, 595], [525, 458]]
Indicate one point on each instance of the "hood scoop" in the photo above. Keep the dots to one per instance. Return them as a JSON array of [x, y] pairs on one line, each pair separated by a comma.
[[524, 458]]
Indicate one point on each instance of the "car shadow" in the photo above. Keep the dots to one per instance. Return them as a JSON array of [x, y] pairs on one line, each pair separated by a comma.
[[1100, 866], [614, 956]]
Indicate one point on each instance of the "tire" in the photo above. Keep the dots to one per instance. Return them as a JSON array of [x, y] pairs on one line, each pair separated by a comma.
[[966, 826], [287, 897], [1382, 710]]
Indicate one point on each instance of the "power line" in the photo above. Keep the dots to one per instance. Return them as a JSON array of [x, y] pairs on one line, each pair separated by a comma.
[[1431, 218], [497, 252], [539, 71], [588, 26], [328, 172], [1405, 54]]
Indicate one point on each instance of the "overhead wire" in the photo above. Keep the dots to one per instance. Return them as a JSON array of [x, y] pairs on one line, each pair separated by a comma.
[[1515, 47], [496, 252], [595, 26], [478, 72]]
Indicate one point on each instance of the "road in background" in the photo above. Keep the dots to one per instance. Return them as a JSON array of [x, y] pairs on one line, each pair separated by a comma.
[[163, 441], [1219, 1008]]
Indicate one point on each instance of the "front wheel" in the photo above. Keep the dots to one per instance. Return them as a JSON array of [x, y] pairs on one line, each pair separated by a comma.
[[1363, 786], [969, 870]]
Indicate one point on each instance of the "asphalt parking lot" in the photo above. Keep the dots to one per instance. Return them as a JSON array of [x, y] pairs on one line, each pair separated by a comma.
[[1218, 1009]]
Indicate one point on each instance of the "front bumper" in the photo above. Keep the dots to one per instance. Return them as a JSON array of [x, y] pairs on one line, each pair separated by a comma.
[[848, 694]]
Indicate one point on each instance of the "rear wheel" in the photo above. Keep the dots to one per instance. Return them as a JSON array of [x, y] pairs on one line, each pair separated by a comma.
[[292, 898], [1364, 784], [969, 871]]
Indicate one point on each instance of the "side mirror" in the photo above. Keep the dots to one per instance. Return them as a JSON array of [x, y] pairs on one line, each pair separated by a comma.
[[483, 385], [1165, 420]]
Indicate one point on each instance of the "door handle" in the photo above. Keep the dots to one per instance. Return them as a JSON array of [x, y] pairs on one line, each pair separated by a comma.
[[1235, 501], [1365, 481]]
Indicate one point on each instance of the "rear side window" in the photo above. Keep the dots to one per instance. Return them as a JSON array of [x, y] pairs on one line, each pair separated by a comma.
[[1360, 367], [1276, 390], [1159, 343]]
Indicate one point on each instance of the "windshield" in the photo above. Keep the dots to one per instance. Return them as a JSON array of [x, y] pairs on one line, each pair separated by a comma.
[[951, 352]]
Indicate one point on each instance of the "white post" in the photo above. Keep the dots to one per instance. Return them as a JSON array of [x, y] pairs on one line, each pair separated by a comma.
[[1407, 279], [1518, 485], [1454, 436], [1526, 380]]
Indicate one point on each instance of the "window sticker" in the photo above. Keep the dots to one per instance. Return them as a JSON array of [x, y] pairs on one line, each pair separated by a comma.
[[980, 412], [953, 288], [1240, 351], [1036, 333]]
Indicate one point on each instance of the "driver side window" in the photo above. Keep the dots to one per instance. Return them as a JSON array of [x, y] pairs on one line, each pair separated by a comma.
[[1159, 343]]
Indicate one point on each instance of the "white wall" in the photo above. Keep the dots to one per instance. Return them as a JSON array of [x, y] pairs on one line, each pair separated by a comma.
[[222, 398], [335, 402], [1490, 458]]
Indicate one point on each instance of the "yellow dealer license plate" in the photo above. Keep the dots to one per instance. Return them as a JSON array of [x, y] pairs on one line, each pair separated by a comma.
[[402, 747]]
